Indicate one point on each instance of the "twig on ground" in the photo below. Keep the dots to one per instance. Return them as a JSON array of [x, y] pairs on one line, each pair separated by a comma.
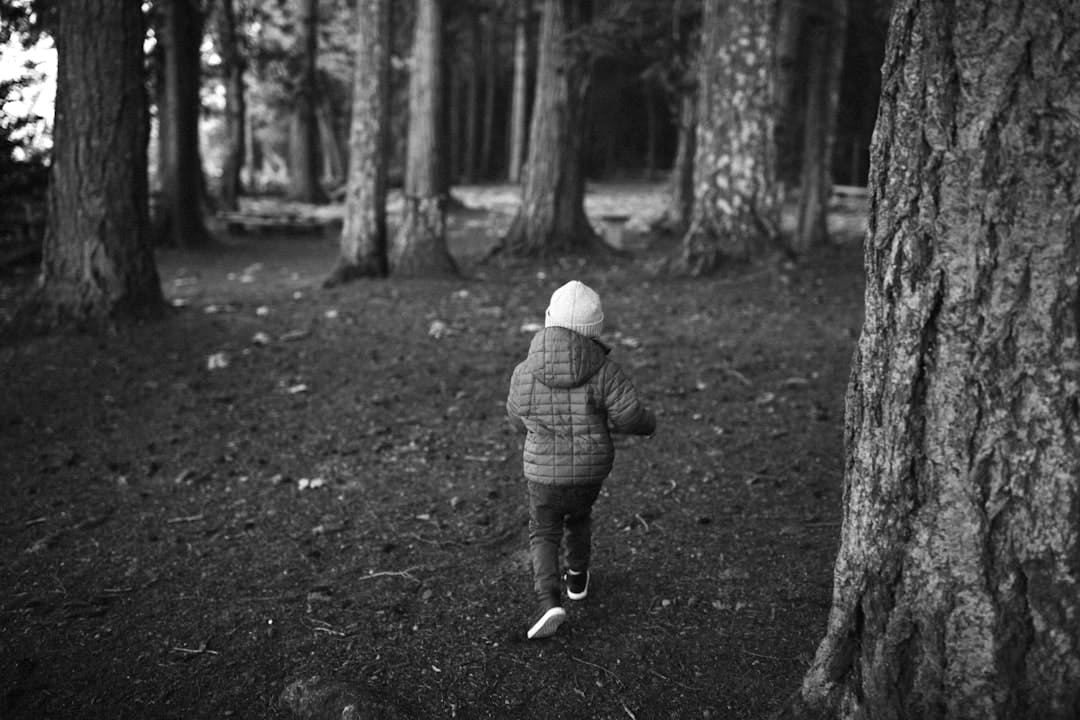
[[736, 374], [764, 657], [201, 650], [642, 520], [598, 667], [673, 682], [185, 519], [407, 573], [632, 715]]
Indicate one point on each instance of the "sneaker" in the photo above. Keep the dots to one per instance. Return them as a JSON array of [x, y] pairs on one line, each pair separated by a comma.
[[548, 619], [577, 584]]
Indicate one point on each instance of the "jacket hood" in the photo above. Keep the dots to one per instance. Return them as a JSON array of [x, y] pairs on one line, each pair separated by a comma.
[[561, 358]]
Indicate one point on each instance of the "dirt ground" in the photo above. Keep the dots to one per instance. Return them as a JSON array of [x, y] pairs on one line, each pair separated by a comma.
[[281, 482]]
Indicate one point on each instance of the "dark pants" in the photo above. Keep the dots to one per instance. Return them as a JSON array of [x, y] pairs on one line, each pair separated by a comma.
[[553, 509]]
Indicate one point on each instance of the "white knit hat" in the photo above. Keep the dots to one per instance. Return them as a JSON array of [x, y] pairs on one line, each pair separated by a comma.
[[576, 306]]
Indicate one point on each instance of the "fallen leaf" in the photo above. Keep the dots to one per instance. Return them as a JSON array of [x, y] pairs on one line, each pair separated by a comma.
[[217, 361]]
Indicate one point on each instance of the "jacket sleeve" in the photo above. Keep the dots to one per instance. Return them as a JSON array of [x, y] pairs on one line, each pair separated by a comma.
[[626, 413], [513, 409]]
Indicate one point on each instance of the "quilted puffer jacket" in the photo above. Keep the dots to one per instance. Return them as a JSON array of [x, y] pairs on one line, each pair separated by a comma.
[[569, 396]]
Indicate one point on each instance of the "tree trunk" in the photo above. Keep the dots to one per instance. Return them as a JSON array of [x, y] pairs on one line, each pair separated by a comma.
[[736, 211], [181, 222], [455, 154], [828, 34], [333, 165], [472, 98], [552, 218], [490, 55], [681, 182], [363, 246], [519, 113], [419, 247], [97, 263], [304, 129], [232, 60], [957, 583], [789, 74], [652, 130]]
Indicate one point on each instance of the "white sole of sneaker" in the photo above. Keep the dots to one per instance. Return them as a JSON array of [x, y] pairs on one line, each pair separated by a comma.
[[548, 623], [581, 595]]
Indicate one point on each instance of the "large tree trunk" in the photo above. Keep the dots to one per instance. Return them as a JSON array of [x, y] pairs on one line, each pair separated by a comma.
[[828, 34], [232, 60], [304, 149], [181, 220], [552, 218], [957, 584], [363, 237], [97, 263], [519, 112], [419, 247], [736, 211]]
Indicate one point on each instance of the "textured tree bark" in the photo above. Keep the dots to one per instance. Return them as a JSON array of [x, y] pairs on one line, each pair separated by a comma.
[[97, 263], [363, 245], [304, 145], [232, 60], [552, 218], [957, 583], [519, 112], [180, 222], [828, 35], [736, 209], [419, 247]]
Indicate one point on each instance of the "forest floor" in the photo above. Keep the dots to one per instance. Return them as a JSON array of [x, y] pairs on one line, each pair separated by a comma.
[[281, 482]]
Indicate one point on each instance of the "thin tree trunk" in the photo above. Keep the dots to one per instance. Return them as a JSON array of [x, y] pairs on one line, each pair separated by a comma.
[[956, 583], [490, 54], [681, 182], [652, 126], [97, 263], [519, 113], [736, 209], [419, 247], [333, 165], [819, 131], [363, 244], [181, 223], [472, 99], [788, 75], [235, 106], [253, 155], [304, 129], [552, 218], [454, 151]]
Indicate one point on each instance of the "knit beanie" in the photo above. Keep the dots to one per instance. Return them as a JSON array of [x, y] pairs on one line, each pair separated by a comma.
[[576, 306]]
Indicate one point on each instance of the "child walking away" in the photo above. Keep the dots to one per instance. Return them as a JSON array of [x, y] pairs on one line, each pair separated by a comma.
[[568, 396]]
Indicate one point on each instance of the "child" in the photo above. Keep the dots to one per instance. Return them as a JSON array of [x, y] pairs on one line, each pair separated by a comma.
[[566, 395]]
